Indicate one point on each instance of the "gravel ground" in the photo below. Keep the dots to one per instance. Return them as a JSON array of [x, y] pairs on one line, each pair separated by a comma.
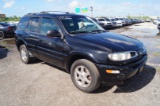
[[41, 84]]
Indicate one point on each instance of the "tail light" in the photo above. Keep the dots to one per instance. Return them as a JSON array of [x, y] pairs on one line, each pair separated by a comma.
[[9, 28]]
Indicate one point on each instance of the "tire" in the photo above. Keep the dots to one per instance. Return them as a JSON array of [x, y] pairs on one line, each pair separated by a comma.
[[24, 54], [85, 75], [1, 35]]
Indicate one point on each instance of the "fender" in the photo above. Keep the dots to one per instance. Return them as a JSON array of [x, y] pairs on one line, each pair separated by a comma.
[[18, 42], [74, 55]]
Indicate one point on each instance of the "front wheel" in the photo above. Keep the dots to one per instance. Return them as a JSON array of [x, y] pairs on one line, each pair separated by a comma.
[[85, 75]]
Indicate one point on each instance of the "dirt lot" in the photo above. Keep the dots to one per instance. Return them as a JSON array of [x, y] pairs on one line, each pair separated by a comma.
[[40, 84]]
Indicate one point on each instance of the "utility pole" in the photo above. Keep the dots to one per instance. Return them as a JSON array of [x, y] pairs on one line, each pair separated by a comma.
[[91, 11]]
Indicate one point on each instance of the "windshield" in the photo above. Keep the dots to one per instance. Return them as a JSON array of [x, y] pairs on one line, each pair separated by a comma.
[[101, 20], [113, 19], [79, 24], [94, 19], [107, 19]]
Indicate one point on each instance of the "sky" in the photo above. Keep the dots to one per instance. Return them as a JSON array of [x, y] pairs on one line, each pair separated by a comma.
[[100, 7]]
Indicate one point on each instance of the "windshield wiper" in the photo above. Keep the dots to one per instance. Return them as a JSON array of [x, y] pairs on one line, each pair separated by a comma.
[[76, 32], [93, 31], [98, 31]]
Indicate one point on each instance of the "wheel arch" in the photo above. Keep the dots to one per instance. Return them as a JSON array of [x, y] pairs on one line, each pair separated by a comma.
[[76, 56], [20, 42]]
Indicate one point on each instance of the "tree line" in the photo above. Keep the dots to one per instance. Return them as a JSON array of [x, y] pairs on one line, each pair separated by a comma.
[[13, 18]]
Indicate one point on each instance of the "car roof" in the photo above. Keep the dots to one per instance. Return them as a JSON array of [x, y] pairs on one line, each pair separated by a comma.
[[3, 23]]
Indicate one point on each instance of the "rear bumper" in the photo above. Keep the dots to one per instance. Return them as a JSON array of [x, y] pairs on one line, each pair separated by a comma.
[[126, 72], [9, 33]]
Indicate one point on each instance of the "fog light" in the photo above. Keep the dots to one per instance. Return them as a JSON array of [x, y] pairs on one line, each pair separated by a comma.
[[112, 71]]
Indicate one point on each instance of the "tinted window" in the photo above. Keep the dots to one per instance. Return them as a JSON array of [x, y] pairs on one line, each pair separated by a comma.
[[107, 19], [101, 19], [46, 25], [33, 25], [112, 19], [94, 19], [23, 23]]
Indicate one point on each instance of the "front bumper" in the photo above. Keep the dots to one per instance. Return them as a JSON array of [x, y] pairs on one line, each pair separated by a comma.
[[126, 72], [117, 25]]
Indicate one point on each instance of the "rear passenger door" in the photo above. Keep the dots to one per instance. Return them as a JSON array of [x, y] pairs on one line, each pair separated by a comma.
[[50, 48]]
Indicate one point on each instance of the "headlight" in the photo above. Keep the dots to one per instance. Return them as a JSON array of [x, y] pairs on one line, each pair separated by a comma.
[[121, 56]]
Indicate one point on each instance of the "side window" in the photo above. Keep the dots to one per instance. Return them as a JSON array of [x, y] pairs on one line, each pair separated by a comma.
[[23, 23], [46, 25], [33, 25]]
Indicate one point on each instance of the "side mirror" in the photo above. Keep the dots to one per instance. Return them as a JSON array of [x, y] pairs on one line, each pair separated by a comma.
[[53, 33]]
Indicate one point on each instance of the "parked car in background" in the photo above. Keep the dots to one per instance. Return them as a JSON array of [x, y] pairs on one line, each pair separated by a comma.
[[101, 24], [133, 21], [128, 21], [158, 26], [7, 30], [122, 20], [107, 23], [148, 20], [156, 22], [116, 23]]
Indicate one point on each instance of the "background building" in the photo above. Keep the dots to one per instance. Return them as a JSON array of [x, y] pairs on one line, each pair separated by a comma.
[[2, 15]]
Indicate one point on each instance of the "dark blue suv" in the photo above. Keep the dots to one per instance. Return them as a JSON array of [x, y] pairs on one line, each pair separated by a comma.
[[79, 45]]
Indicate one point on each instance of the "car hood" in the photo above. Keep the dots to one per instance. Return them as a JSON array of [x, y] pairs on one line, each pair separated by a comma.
[[112, 41], [105, 22], [118, 21]]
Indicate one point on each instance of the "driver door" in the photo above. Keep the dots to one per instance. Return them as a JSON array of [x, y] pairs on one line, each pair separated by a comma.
[[51, 48]]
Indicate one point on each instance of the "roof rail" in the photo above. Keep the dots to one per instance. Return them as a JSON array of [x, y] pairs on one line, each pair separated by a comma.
[[54, 11], [47, 12], [31, 14]]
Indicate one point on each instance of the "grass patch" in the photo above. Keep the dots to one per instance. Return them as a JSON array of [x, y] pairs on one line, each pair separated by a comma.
[[2, 43], [158, 69], [156, 54]]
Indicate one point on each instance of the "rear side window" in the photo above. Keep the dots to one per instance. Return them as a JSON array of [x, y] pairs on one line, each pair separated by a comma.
[[33, 24], [23, 23], [46, 25]]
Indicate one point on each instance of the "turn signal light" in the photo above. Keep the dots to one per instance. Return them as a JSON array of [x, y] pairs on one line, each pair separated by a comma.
[[112, 71]]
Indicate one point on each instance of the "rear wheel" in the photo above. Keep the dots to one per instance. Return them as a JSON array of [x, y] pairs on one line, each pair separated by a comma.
[[24, 54], [85, 75], [1, 35]]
